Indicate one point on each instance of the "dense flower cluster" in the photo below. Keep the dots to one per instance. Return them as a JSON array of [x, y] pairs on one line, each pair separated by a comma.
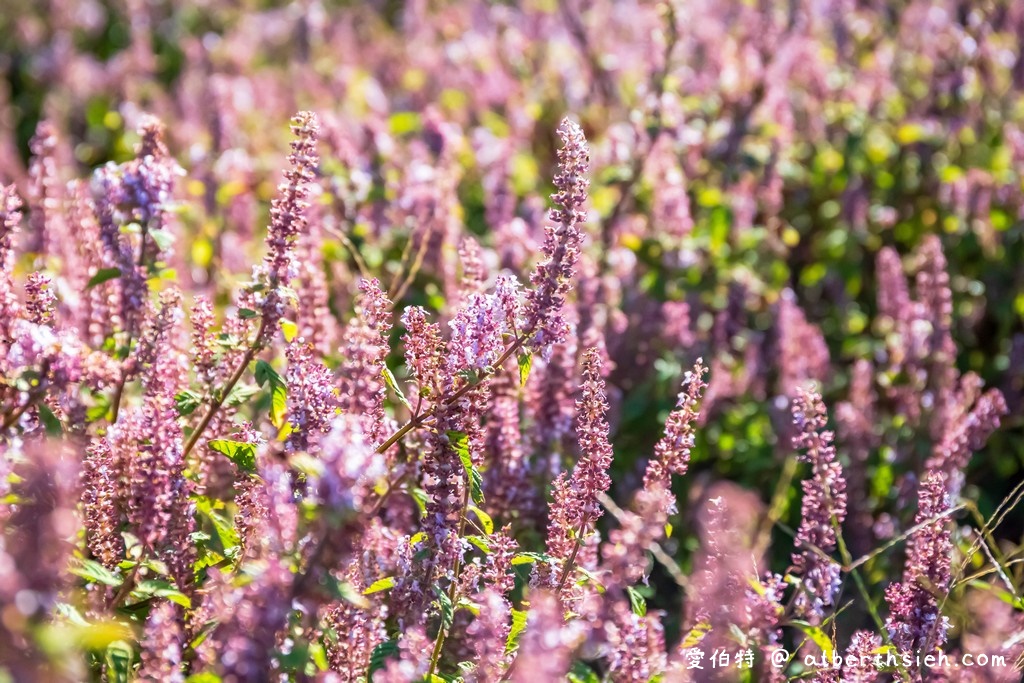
[[823, 511]]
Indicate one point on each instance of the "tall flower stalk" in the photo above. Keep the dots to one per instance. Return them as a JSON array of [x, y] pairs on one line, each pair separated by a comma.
[[823, 508], [544, 322], [575, 508], [287, 222]]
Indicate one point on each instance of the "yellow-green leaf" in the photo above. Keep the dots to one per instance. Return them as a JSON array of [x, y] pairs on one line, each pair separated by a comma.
[[385, 584]]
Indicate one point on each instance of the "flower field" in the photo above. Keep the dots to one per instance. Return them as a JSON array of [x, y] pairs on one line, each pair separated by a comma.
[[402, 341]]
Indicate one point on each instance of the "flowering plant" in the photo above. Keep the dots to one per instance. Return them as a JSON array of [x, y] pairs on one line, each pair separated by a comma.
[[422, 414]]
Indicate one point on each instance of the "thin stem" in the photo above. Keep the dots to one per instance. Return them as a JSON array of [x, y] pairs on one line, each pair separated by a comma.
[[348, 244], [34, 395], [221, 396], [453, 587], [571, 560], [417, 263], [115, 403], [420, 419], [11, 419]]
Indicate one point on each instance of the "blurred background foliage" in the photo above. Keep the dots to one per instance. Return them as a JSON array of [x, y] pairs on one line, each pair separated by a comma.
[[932, 153]]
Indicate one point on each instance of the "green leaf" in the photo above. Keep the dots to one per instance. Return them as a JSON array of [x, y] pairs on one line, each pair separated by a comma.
[[220, 520], [446, 608], [420, 497], [389, 379], [279, 406], [204, 677], [816, 634], [637, 602], [347, 592], [529, 558], [525, 360], [581, 673], [240, 394], [383, 652], [163, 238], [385, 584], [158, 588], [468, 605], [50, 421], [319, 656], [460, 444], [186, 402], [696, 635], [118, 662], [99, 410], [265, 374], [241, 453], [103, 275], [94, 572], [518, 626], [247, 313], [485, 519], [480, 543]]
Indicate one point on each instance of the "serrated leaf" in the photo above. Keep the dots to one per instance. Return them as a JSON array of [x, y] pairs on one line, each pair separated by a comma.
[[460, 444], [103, 275], [383, 652], [445, 607], [518, 626], [265, 374], [385, 584], [94, 572], [525, 361], [70, 614], [389, 379], [241, 453], [186, 402], [240, 394], [637, 602], [485, 519]]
